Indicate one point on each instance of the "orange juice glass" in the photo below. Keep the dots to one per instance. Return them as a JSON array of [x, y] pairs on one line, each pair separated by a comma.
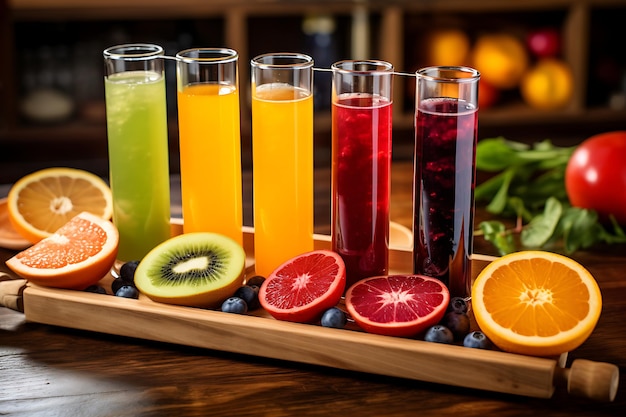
[[210, 141], [282, 158]]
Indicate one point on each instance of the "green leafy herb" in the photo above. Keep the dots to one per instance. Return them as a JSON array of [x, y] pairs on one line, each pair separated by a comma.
[[496, 233], [528, 184]]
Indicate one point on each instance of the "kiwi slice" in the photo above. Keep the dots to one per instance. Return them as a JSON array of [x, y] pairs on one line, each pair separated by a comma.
[[193, 269]]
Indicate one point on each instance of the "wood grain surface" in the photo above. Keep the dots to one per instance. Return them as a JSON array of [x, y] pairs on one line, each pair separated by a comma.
[[57, 371]]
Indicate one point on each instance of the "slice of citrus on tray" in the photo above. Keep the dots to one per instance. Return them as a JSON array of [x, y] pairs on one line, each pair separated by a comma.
[[397, 305], [78, 255], [301, 289], [43, 201], [9, 237], [536, 303]]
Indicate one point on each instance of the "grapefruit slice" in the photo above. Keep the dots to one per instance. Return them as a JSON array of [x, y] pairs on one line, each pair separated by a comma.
[[536, 303], [41, 202], [301, 289], [397, 305], [78, 255]]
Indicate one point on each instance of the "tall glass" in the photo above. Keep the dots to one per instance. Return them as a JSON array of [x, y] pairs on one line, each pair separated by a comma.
[[210, 141], [446, 122], [361, 166], [282, 152], [134, 82]]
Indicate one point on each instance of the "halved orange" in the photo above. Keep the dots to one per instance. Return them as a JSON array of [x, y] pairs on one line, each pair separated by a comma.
[[536, 303], [43, 201], [78, 255]]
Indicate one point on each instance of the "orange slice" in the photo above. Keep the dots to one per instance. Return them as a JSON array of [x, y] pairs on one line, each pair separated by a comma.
[[78, 255], [9, 237], [536, 303], [41, 202]]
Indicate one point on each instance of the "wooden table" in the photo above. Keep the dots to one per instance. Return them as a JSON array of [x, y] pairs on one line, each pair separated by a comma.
[[54, 371]]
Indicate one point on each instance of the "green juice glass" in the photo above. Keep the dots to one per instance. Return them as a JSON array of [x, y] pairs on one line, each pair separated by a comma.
[[136, 112]]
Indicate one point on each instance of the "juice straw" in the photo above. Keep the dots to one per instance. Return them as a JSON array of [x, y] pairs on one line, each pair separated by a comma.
[[405, 74]]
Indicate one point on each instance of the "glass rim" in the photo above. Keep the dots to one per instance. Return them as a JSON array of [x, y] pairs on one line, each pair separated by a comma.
[[134, 51], [424, 73], [222, 55], [383, 67], [306, 61]]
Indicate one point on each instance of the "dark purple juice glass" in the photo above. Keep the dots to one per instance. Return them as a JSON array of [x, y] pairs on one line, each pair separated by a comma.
[[361, 184], [445, 154], [361, 166]]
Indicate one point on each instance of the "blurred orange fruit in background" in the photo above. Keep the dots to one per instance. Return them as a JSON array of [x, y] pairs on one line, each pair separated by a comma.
[[548, 85], [447, 47], [501, 58]]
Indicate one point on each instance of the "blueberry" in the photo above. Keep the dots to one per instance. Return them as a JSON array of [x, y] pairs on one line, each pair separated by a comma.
[[458, 305], [117, 284], [250, 295], [127, 291], [234, 305], [335, 318], [127, 271], [98, 289], [458, 323], [439, 334], [477, 340], [255, 280]]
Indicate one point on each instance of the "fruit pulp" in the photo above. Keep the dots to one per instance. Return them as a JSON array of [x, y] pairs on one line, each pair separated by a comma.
[[138, 160], [210, 159], [445, 154], [304, 287], [282, 150], [361, 166], [397, 305]]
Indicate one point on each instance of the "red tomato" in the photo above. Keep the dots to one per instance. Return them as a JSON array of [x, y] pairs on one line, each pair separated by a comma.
[[595, 177]]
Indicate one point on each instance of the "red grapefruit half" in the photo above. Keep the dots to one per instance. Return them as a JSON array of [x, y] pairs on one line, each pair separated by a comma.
[[301, 289], [76, 256], [397, 305]]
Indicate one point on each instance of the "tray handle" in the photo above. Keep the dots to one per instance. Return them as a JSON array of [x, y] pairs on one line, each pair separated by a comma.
[[11, 291], [588, 379]]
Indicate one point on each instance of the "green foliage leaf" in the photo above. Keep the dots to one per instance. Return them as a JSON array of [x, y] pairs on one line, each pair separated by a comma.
[[496, 233], [528, 183], [580, 229], [496, 154], [541, 227], [498, 203]]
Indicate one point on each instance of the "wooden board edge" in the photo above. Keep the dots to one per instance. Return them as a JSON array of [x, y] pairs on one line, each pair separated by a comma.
[[305, 343], [266, 337]]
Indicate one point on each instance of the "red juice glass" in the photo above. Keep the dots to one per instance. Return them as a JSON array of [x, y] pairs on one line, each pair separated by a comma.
[[361, 166], [446, 122]]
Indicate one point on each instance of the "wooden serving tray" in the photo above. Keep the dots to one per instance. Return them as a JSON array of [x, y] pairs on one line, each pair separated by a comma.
[[259, 334]]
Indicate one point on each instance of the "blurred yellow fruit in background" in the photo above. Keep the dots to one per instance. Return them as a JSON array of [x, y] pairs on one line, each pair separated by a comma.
[[447, 47], [548, 84], [501, 58]]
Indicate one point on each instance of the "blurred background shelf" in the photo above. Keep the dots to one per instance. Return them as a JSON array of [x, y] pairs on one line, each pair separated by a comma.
[[57, 45]]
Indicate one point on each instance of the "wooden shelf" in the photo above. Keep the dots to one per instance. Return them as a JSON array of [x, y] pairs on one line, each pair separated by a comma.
[[387, 34]]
